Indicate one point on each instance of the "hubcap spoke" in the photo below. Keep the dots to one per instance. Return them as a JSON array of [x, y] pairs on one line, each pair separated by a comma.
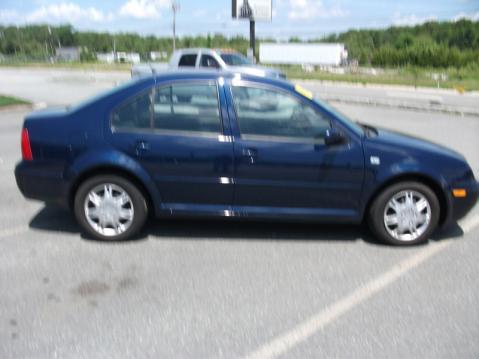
[[108, 191], [392, 219], [126, 213], [123, 199], [93, 212], [421, 205], [94, 198]]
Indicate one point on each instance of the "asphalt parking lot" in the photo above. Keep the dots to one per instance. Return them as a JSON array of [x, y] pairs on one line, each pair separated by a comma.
[[229, 289]]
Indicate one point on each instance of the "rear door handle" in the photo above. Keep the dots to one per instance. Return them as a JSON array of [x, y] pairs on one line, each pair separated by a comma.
[[142, 147]]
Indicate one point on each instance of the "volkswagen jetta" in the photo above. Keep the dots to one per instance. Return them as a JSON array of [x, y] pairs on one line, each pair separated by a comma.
[[220, 144]]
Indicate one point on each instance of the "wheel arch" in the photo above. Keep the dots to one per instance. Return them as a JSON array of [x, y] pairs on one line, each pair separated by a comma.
[[414, 177], [111, 170]]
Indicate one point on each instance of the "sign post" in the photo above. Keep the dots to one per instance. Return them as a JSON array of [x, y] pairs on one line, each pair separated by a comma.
[[252, 39], [253, 10]]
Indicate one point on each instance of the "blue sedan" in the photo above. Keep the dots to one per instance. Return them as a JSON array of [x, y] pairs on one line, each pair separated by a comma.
[[224, 144]]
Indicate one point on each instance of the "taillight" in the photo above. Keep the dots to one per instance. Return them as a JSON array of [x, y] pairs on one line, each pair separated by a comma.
[[26, 148]]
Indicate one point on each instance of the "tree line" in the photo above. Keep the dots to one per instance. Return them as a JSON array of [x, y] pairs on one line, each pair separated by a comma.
[[432, 44]]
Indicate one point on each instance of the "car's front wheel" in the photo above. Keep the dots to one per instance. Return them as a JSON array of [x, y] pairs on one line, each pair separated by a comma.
[[405, 213], [109, 207]]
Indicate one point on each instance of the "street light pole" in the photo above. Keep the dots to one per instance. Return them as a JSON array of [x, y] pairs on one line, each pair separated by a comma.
[[252, 37], [175, 7]]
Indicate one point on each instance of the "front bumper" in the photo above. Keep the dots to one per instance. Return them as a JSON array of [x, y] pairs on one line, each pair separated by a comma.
[[40, 183]]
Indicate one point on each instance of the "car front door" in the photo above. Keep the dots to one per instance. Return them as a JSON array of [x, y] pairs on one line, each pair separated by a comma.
[[282, 163], [177, 133]]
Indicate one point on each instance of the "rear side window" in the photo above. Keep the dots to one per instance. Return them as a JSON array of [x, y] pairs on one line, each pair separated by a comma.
[[185, 108], [266, 114], [188, 60], [134, 114]]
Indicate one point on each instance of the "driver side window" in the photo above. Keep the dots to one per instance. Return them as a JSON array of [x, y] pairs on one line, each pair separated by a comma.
[[265, 114]]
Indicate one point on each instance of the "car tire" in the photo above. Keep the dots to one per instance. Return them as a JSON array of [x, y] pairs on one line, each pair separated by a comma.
[[405, 213], [110, 208]]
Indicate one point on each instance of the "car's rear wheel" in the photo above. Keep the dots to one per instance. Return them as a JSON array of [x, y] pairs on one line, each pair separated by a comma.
[[405, 213], [109, 207]]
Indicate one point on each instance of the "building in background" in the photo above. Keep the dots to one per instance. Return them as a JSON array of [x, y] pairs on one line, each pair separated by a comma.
[[107, 57], [67, 54], [111, 57], [132, 57], [319, 54], [158, 55]]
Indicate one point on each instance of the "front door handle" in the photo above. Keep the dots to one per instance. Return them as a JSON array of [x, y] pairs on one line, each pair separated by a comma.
[[142, 147], [251, 153]]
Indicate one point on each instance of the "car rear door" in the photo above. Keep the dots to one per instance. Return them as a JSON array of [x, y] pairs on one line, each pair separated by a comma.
[[178, 132], [282, 164]]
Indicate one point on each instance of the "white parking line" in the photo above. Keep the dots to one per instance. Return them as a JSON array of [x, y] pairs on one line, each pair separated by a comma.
[[469, 223], [414, 95], [318, 321], [13, 231]]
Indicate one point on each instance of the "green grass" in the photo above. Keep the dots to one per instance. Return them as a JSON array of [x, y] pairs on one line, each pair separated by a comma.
[[9, 101], [463, 79]]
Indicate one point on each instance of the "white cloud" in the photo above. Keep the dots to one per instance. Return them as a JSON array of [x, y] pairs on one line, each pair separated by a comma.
[[411, 19], [9, 16], [143, 9], [310, 9], [56, 13], [67, 12], [472, 16]]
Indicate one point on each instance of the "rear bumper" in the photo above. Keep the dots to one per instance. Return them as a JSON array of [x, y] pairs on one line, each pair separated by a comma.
[[36, 182], [460, 206]]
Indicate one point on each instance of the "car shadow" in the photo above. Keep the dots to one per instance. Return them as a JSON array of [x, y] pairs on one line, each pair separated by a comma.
[[57, 219]]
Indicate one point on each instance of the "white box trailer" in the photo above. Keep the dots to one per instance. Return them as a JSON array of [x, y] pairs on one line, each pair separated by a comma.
[[326, 54]]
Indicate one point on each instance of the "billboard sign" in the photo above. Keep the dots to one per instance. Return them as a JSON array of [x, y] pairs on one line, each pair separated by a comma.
[[258, 10]]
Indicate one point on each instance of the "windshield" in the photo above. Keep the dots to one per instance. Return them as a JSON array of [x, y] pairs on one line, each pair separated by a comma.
[[235, 59]]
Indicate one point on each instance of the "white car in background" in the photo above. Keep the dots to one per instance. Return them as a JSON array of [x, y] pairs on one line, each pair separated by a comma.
[[202, 58]]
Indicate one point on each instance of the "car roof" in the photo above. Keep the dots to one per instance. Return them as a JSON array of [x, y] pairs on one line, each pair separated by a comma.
[[215, 74]]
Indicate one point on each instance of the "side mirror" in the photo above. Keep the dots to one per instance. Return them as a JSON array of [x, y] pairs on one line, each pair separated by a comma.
[[333, 136]]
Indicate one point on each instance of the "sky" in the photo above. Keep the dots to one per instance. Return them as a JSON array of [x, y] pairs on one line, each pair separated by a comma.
[[302, 18]]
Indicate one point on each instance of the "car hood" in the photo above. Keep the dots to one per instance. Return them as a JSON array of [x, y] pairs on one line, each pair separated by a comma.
[[390, 153], [394, 140], [403, 141]]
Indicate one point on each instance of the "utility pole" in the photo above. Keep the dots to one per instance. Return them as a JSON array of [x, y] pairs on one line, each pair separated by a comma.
[[175, 7], [114, 49]]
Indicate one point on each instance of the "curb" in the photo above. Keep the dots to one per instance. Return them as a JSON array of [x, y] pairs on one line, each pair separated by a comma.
[[404, 105], [379, 86]]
